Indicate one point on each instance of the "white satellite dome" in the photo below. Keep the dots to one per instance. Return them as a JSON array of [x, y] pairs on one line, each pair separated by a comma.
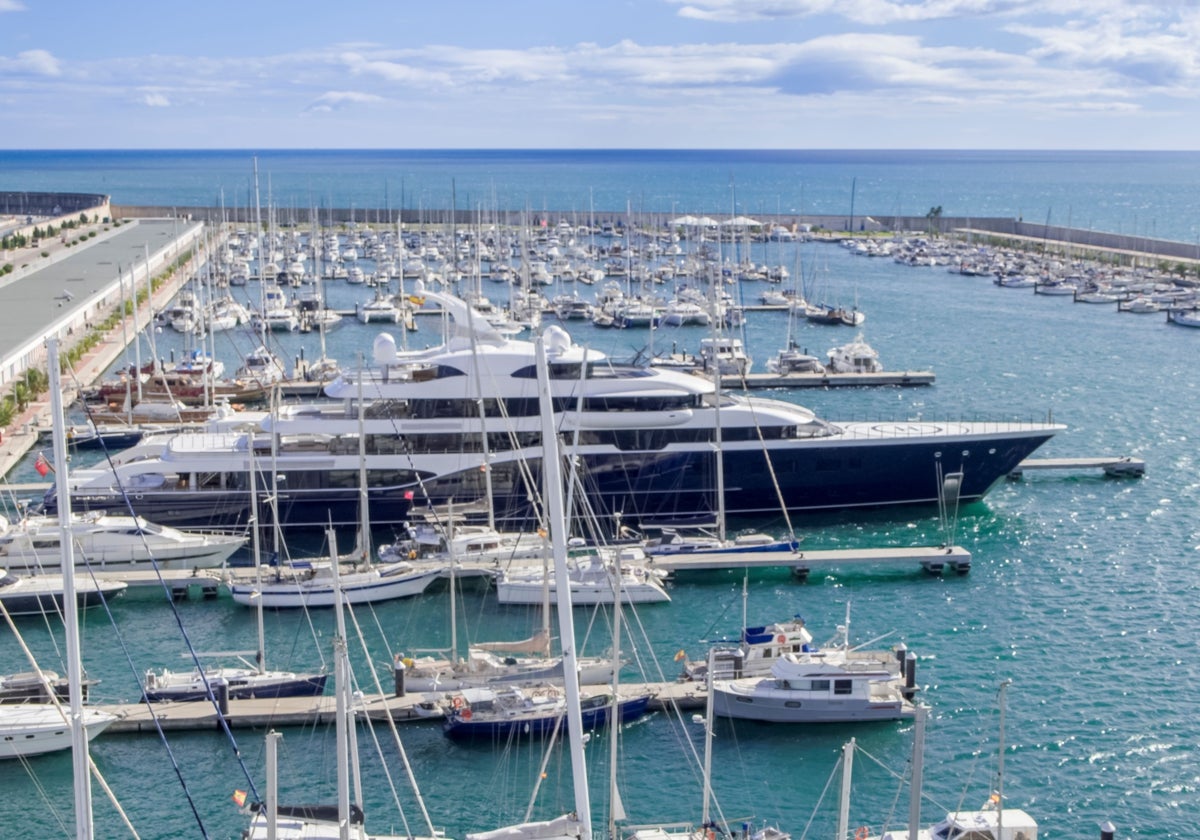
[[558, 340], [383, 351]]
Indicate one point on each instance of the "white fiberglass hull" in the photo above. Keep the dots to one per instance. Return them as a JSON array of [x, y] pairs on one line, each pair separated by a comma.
[[35, 729], [318, 590]]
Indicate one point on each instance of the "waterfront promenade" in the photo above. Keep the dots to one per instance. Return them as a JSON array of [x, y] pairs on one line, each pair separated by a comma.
[[33, 308]]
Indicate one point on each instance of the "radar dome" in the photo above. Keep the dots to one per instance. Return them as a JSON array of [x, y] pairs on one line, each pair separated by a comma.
[[384, 349], [557, 340]]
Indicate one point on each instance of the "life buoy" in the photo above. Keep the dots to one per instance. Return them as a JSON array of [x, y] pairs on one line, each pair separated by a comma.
[[861, 833], [458, 702], [466, 714], [781, 638]]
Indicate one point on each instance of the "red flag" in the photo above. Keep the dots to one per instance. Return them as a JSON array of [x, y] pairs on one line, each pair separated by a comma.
[[408, 494], [239, 797], [42, 465]]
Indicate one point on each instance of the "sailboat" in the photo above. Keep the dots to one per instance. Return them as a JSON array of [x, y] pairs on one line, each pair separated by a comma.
[[41, 594], [345, 820], [522, 661], [251, 680], [299, 586], [578, 823], [37, 728], [591, 574], [708, 827], [993, 821]]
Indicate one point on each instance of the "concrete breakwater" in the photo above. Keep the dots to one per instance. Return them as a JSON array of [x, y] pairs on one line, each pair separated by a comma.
[[1121, 247]]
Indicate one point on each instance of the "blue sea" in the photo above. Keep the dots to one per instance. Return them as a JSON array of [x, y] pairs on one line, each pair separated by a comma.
[[1081, 592]]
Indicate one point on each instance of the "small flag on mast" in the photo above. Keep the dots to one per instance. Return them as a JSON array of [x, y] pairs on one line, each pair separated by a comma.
[[42, 465], [239, 796]]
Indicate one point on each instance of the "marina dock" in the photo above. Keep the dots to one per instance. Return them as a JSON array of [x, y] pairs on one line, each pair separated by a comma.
[[263, 713], [904, 378], [934, 559], [1112, 465]]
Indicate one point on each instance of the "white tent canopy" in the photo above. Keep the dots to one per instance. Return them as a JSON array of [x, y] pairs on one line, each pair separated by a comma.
[[695, 221]]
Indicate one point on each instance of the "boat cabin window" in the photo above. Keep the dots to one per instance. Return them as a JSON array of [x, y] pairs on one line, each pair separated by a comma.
[[843, 686], [383, 409], [557, 370], [638, 403]]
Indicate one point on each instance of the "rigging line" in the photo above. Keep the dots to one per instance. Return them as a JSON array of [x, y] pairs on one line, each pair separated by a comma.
[[771, 470], [44, 795], [210, 695], [53, 699], [58, 608], [154, 717], [279, 562], [412, 779], [825, 790]]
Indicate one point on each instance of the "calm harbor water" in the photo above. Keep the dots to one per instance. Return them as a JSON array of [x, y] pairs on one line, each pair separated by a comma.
[[1082, 591]]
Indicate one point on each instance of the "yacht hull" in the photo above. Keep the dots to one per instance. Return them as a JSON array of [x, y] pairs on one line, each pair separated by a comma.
[[875, 465]]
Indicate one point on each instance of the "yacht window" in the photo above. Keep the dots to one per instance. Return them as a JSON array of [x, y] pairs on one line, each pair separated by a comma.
[[843, 686], [557, 370]]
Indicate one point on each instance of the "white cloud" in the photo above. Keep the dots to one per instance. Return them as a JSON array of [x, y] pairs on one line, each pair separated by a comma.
[[155, 100], [11, 6], [1132, 49], [885, 12], [389, 70], [336, 99], [34, 62]]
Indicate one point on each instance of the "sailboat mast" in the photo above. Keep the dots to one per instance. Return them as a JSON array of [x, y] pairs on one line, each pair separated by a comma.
[[342, 726], [918, 772], [364, 513], [708, 739], [1000, 765], [719, 459], [81, 760], [843, 826], [616, 811], [149, 318], [453, 583], [255, 540], [556, 514]]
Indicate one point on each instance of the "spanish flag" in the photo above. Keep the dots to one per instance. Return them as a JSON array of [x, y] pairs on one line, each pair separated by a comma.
[[680, 655], [239, 796]]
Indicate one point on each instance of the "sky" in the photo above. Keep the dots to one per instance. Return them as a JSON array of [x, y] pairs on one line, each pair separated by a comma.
[[640, 74]]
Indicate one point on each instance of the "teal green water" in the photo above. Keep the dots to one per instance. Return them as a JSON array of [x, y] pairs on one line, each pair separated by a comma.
[[1083, 593]]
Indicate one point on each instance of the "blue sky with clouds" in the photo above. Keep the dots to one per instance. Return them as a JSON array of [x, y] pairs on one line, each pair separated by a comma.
[[1019, 74]]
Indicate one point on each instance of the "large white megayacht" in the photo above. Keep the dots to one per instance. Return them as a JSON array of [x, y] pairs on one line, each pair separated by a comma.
[[643, 439]]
